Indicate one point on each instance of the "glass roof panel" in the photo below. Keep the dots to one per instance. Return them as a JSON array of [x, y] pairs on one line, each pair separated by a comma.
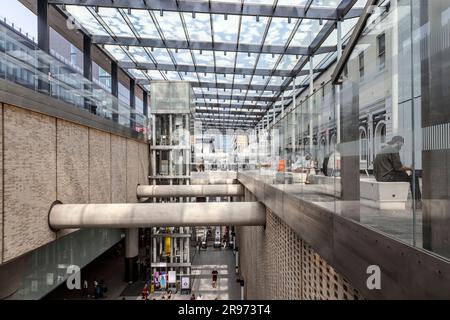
[[235, 1], [347, 26], [318, 59], [288, 62], [139, 54], [161, 56], [267, 60], [326, 3], [84, 17], [117, 52], [331, 40], [143, 23], [206, 77], [170, 24], [279, 31], [138, 74], [252, 31], [190, 76], [243, 60], [276, 81], [306, 33], [172, 75], [115, 22], [226, 79], [183, 56], [199, 28], [155, 75], [259, 80], [204, 59], [292, 2], [225, 30], [266, 2], [223, 60], [241, 80]]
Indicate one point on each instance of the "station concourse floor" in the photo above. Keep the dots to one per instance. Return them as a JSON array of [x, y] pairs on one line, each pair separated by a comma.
[[110, 268], [203, 263]]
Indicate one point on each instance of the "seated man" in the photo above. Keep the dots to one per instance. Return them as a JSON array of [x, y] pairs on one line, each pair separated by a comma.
[[388, 167]]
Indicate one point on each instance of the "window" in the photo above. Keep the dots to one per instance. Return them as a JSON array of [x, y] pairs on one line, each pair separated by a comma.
[[73, 55], [104, 78], [361, 65], [381, 45]]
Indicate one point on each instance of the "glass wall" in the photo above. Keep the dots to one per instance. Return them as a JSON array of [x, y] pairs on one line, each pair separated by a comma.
[[23, 63], [375, 148]]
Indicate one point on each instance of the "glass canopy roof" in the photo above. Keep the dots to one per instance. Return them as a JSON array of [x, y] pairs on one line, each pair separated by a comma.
[[240, 55]]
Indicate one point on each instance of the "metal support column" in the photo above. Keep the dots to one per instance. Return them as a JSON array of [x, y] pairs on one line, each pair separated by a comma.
[[131, 254], [43, 43], [153, 150], [132, 103], [338, 87], [87, 73], [294, 118], [115, 90], [145, 103], [311, 104]]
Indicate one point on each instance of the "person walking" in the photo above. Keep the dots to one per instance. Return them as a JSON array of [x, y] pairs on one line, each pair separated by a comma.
[[85, 290], [214, 277]]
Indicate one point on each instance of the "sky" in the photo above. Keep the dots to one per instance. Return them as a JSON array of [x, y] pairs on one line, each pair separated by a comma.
[[21, 16]]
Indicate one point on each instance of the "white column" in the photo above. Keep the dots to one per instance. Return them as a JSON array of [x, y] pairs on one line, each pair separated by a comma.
[[132, 243], [338, 87], [395, 77], [153, 150], [282, 104], [154, 245], [311, 110], [294, 118]]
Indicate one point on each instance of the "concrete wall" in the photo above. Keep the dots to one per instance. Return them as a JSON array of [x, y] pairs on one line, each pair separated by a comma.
[[277, 264], [44, 159]]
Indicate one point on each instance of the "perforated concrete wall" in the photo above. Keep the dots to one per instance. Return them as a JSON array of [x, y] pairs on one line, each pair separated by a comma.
[[276, 264], [46, 159]]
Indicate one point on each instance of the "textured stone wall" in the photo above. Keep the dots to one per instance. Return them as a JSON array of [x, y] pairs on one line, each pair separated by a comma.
[[118, 169], [276, 264], [132, 170], [1, 184], [29, 177], [47, 159], [99, 167]]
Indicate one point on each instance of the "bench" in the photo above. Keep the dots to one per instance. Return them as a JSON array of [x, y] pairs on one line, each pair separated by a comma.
[[384, 195], [380, 195]]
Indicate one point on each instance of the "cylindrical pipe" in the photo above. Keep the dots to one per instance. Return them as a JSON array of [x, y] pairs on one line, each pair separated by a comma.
[[190, 190], [145, 215]]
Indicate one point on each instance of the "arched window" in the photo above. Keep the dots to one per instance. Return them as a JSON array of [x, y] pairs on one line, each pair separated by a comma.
[[333, 141], [380, 135], [363, 147]]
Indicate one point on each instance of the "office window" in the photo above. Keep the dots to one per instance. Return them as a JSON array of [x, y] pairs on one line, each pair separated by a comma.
[[361, 65], [381, 45], [73, 55], [104, 78]]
